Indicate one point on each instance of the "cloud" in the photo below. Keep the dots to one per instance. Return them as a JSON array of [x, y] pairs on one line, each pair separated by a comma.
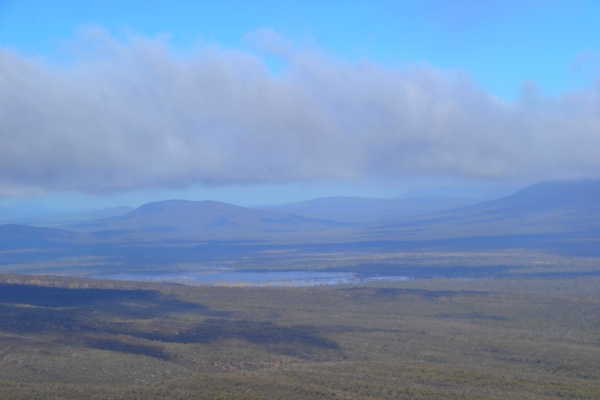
[[134, 115], [585, 58], [267, 41]]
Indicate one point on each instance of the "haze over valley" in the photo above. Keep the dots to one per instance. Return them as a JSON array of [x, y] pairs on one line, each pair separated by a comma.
[[557, 218]]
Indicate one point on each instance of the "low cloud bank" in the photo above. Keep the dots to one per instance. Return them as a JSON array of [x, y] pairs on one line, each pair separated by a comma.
[[135, 115]]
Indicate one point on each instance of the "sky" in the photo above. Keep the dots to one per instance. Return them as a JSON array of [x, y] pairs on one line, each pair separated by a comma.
[[111, 103]]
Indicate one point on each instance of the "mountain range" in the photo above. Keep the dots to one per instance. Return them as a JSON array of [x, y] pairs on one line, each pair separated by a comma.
[[546, 207], [33, 214], [370, 210], [542, 208], [551, 216], [195, 216]]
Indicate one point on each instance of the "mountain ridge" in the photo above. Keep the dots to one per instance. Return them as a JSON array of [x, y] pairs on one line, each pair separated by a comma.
[[187, 215], [542, 207], [355, 209]]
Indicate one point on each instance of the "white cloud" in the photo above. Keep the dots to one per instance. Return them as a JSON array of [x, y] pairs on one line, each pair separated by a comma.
[[266, 40], [133, 115]]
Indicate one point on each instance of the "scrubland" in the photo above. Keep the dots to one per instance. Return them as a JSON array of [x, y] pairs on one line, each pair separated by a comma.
[[502, 337]]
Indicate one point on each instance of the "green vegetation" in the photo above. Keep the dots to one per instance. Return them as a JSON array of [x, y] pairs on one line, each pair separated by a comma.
[[70, 338]]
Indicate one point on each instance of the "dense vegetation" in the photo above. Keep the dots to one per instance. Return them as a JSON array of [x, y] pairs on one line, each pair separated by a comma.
[[431, 338]]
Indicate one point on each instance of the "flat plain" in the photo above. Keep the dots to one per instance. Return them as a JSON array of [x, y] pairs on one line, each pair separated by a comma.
[[69, 338]]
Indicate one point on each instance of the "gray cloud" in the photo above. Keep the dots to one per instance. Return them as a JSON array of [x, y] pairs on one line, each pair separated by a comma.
[[134, 115]]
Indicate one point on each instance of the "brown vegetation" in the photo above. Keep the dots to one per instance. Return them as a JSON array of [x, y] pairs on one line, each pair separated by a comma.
[[439, 338]]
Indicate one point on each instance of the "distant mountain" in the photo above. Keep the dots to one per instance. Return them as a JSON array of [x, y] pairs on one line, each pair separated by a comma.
[[108, 212], [546, 207], [184, 215], [30, 209], [546, 196], [23, 210], [369, 210], [40, 216], [557, 217], [478, 192], [22, 237]]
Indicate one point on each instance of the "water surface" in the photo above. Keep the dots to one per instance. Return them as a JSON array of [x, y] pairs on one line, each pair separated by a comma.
[[229, 277]]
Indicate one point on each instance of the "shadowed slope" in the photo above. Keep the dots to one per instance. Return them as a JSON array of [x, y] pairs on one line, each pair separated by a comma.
[[14, 237], [546, 207]]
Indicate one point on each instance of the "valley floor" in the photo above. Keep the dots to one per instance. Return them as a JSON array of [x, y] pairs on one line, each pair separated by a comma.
[[70, 338]]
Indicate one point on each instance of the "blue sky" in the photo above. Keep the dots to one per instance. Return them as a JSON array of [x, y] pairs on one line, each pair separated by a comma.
[[501, 44], [550, 48]]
